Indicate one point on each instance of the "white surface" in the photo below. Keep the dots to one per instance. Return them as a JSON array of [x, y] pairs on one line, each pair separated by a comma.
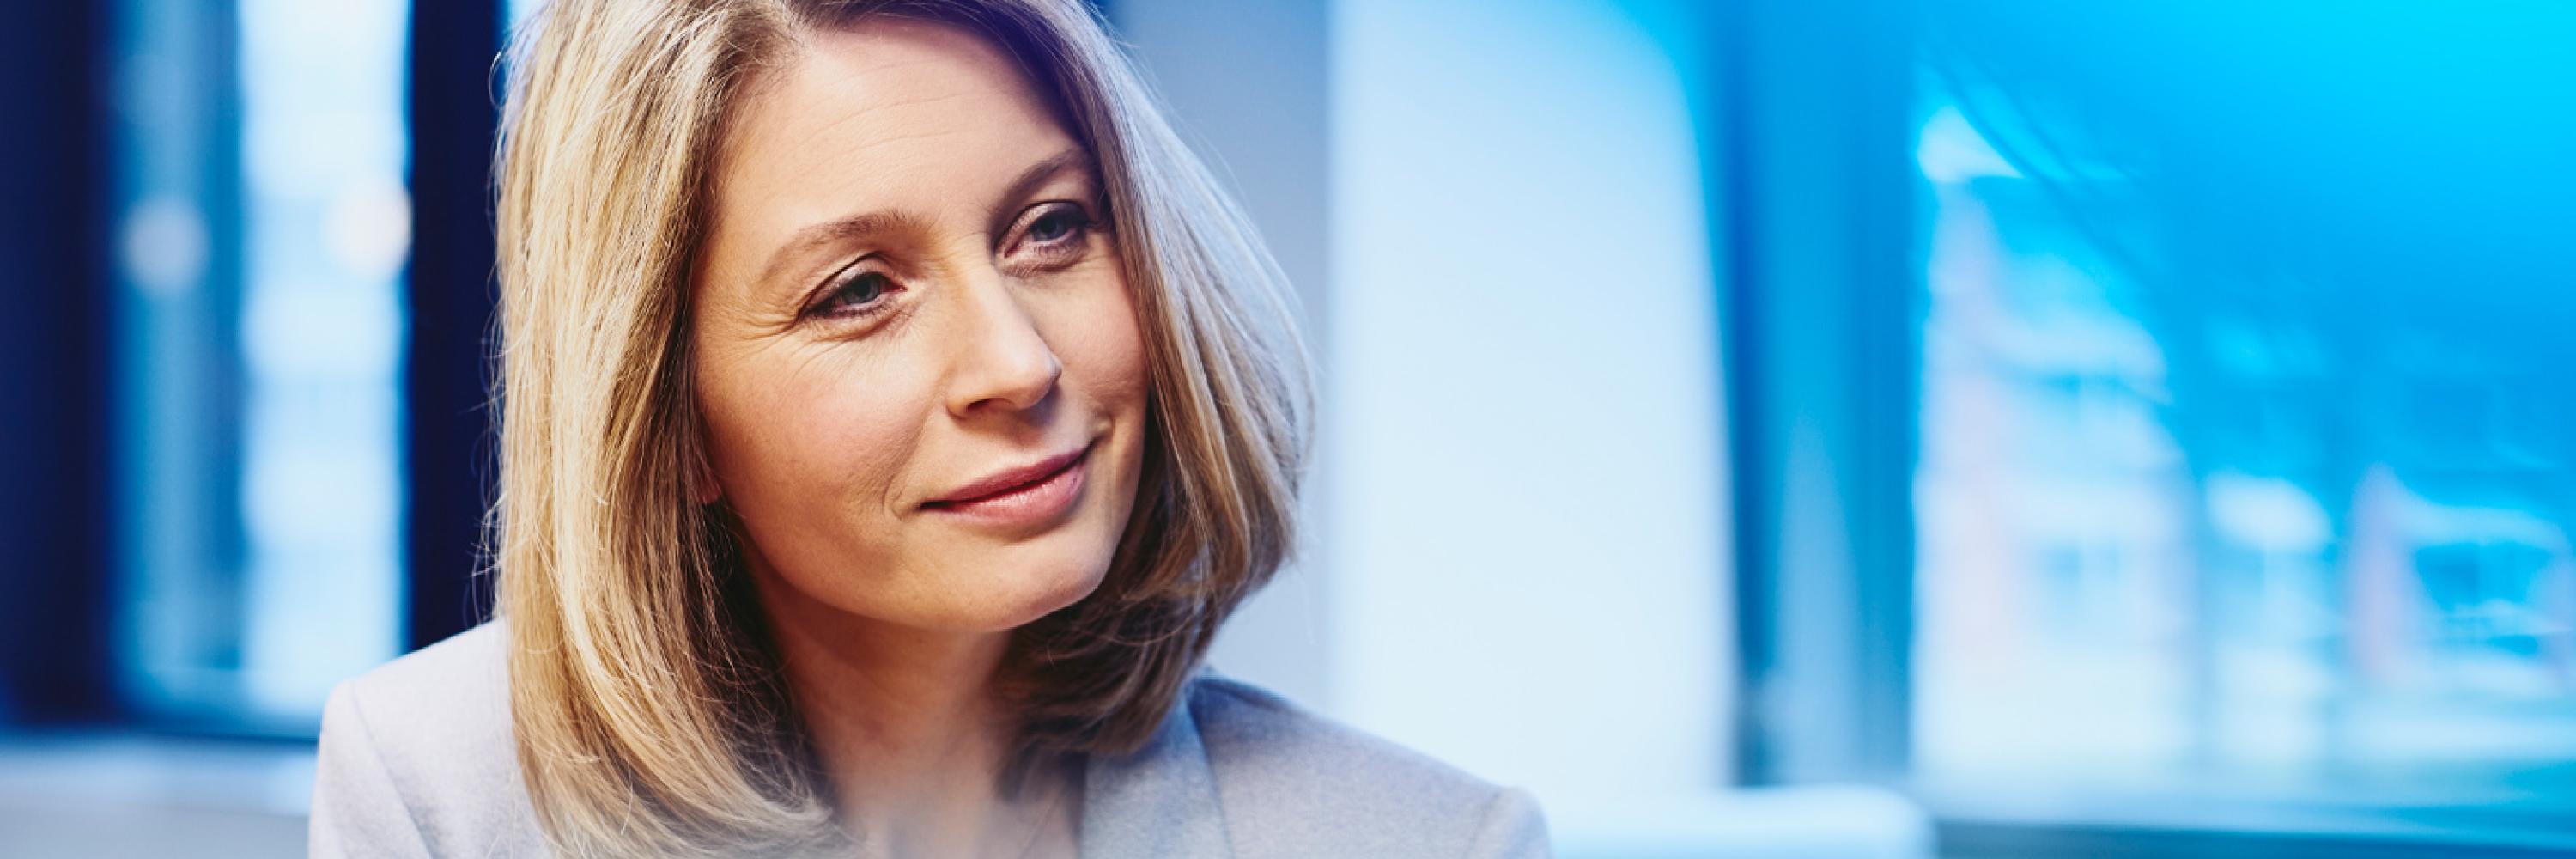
[[120, 796], [1785, 823], [1526, 553], [1517, 560]]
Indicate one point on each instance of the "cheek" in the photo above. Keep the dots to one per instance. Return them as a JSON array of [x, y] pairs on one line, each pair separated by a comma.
[[1107, 366], [809, 450], [1104, 353]]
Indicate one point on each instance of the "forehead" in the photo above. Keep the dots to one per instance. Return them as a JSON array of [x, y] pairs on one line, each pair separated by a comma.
[[884, 113]]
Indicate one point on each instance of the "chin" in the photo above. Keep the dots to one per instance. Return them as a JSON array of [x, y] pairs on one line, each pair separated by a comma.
[[1057, 594], [1038, 577], [1045, 587]]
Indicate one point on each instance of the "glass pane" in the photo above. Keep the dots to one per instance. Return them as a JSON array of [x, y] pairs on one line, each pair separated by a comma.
[[265, 229], [2248, 453]]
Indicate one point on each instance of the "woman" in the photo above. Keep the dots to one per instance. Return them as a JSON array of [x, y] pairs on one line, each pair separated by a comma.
[[892, 411]]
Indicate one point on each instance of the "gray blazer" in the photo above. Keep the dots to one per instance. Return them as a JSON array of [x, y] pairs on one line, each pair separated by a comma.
[[417, 761]]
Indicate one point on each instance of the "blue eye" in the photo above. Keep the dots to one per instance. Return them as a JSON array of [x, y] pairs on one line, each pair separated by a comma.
[[859, 290], [1056, 224]]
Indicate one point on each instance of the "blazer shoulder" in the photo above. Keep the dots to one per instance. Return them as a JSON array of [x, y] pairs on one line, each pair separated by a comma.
[[1296, 783], [441, 702], [424, 743]]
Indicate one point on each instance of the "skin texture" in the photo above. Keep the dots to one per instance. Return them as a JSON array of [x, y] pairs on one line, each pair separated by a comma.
[[979, 327]]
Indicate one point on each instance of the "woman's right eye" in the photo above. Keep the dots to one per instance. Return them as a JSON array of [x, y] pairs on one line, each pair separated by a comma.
[[856, 295]]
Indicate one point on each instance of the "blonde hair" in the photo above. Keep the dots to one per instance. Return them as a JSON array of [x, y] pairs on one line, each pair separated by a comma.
[[649, 711]]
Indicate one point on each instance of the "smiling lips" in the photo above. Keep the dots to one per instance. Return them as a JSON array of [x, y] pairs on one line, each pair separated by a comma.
[[1020, 496]]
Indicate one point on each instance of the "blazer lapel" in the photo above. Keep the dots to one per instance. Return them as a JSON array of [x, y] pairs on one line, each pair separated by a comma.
[[1159, 801]]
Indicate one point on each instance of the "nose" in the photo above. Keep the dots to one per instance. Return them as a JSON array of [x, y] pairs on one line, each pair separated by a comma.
[[1003, 362]]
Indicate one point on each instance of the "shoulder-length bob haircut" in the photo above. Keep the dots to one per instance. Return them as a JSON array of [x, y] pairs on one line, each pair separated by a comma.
[[649, 712]]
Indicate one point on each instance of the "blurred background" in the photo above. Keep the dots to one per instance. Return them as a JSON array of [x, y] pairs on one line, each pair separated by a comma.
[[1767, 428]]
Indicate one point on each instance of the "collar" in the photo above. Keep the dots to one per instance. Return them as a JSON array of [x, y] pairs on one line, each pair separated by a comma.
[[1159, 801]]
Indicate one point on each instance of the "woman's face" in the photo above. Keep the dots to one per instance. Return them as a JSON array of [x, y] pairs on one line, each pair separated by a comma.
[[916, 360]]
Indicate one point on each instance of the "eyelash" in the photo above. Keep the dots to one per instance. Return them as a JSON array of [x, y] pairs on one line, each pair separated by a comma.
[[1082, 226]]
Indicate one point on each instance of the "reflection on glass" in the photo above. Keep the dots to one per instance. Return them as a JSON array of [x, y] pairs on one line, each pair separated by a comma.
[[2247, 460], [323, 154], [263, 230]]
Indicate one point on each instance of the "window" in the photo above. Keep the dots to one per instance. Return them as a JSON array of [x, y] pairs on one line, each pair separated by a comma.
[[2150, 423], [263, 227], [2245, 465]]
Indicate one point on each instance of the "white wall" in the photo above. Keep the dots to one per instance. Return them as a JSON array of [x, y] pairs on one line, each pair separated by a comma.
[[1494, 213], [1526, 548]]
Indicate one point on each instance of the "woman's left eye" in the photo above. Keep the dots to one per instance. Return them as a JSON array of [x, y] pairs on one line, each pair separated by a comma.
[[1057, 225]]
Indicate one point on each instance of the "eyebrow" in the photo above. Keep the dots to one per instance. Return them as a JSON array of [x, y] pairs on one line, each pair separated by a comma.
[[866, 224]]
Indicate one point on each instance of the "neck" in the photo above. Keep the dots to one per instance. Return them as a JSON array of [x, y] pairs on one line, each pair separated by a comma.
[[906, 722]]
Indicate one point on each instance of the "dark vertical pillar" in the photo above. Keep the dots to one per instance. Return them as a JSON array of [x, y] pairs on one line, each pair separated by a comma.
[[450, 293], [1819, 317], [54, 564]]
